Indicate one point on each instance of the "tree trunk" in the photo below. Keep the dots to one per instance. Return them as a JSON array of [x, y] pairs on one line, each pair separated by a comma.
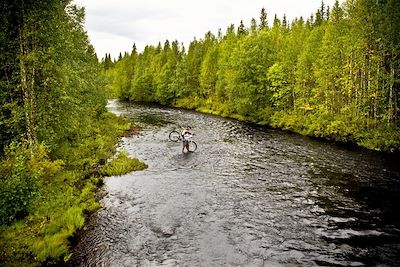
[[27, 72], [391, 108]]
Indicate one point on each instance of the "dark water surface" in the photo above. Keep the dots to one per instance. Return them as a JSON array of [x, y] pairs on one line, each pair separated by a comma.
[[249, 196]]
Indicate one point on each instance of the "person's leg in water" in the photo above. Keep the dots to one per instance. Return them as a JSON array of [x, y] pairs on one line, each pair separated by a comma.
[[187, 146], [183, 146]]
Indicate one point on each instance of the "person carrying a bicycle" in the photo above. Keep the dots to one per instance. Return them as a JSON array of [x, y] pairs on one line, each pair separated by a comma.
[[186, 135]]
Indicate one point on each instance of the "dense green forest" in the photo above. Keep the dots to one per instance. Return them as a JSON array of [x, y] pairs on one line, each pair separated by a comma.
[[333, 75], [54, 129]]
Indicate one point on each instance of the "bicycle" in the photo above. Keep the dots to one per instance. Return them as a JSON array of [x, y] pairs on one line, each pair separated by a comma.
[[175, 136]]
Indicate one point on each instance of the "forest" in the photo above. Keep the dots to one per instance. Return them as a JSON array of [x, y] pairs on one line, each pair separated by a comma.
[[55, 131], [334, 75]]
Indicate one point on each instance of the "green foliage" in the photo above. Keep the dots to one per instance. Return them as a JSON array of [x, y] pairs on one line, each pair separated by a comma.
[[24, 172], [332, 76], [44, 233], [122, 164], [188, 102], [385, 139], [17, 187], [95, 143], [58, 196], [54, 128]]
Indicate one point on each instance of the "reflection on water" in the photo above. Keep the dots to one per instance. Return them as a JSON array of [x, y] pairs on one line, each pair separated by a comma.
[[249, 196]]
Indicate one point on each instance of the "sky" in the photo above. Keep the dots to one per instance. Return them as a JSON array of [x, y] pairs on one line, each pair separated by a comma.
[[114, 26]]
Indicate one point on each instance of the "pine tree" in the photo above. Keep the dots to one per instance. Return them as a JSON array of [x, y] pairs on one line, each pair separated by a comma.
[[263, 19], [134, 49], [209, 67], [253, 26], [284, 22], [241, 29], [277, 22]]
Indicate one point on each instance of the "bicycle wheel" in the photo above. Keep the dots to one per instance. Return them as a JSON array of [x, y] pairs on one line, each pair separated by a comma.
[[192, 146], [174, 136]]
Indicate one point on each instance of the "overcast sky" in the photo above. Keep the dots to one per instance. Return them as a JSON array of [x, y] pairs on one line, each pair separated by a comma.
[[113, 26]]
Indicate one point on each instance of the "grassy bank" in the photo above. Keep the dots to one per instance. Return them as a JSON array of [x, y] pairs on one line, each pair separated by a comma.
[[44, 201], [338, 128], [122, 164]]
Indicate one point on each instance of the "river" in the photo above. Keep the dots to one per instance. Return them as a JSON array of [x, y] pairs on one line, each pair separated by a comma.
[[248, 196]]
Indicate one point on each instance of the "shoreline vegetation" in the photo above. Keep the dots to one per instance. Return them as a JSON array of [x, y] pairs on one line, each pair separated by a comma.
[[55, 131], [333, 75], [43, 208], [122, 164], [368, 144]]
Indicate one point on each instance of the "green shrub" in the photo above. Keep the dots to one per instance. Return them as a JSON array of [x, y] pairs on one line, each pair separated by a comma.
[[45, 195], [17, 184], [188, 103]]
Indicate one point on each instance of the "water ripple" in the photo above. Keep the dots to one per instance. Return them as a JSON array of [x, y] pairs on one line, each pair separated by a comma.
[[249, 196]]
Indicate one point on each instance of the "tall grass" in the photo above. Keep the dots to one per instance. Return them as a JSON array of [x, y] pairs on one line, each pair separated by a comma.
[[122, 164], [45, 198]]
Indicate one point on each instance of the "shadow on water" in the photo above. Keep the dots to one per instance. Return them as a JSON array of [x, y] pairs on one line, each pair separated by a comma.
[[152, 120], [248, 196], [360, 193]]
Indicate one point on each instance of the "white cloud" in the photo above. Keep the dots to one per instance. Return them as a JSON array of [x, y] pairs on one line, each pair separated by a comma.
[[113, 26]]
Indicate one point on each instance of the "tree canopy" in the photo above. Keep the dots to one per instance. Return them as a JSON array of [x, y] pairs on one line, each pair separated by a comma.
[[54, 128], [333, 75]]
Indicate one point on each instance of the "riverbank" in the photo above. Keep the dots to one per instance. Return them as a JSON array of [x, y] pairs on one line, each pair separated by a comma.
[[362, 133], [249, 195], [63, 194], [304, 76]]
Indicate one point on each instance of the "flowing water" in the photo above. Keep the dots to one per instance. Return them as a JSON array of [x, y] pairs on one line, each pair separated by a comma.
[[249, 196]]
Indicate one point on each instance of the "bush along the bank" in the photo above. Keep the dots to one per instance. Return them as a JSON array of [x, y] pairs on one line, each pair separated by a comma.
[[44, 201]]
